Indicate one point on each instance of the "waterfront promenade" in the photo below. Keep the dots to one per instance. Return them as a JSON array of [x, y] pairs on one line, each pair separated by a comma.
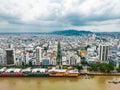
[[99, 73]]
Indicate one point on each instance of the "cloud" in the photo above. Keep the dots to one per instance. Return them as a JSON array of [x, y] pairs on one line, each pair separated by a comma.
[[58, 14]]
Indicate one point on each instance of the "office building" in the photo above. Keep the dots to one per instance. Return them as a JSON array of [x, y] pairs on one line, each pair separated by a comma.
[[38, 55], [103, 53], [10, 56], [73, 61]]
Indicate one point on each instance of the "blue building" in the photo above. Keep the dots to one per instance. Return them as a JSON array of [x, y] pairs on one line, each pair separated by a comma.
[[45, 61]]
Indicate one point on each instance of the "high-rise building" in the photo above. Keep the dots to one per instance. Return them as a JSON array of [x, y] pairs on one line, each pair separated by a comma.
[[26, 58], [73, 61], [10, 56], [38, 55], [103, 53], [10, 45], [93, 37]]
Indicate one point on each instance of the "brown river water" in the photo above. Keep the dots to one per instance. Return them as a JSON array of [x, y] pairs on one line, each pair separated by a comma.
[[58, 83]]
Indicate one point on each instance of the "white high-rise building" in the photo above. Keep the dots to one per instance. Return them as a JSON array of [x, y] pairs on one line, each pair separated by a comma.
[[93, 36], [38, 55], [26, 58], [10, 46], [103, 53]]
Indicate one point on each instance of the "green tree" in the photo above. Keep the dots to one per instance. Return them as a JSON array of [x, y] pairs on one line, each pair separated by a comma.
[[65, 67], [83, 62], [45, 48], [104, 67], [83, 58], [94, 67], [118, 69], [79, 67], [58, 61], [88, 46]]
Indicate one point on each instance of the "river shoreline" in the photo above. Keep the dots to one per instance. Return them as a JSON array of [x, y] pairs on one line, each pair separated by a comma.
[[100, 74], [105, 74]]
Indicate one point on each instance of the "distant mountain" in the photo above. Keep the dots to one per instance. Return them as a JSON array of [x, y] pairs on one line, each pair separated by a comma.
[[71, 32], [112, 34]]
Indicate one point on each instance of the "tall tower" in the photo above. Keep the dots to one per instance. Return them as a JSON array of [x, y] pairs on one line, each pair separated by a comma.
[[100, 40], [72, 61], [10, 46], [103, 53], [93, 36], [10, 56], [38, 55]]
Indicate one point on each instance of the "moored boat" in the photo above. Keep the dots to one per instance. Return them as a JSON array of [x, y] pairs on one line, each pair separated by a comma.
[[12, 72], [11, 75], [63, 73], [37, 72], [72, 73], [38, 75], [57, 72]]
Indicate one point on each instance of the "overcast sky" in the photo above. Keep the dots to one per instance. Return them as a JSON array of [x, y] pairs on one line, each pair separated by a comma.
[[51, 15]]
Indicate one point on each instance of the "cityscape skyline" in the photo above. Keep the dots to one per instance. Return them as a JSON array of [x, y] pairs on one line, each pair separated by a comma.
[[63, 44], [54, 15]]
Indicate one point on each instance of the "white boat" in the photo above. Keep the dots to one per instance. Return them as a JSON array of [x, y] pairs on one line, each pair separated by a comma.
[[115, 81], [2, 69]]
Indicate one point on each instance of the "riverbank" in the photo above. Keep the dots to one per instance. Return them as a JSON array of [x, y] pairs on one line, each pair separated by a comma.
[[99, 74]]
